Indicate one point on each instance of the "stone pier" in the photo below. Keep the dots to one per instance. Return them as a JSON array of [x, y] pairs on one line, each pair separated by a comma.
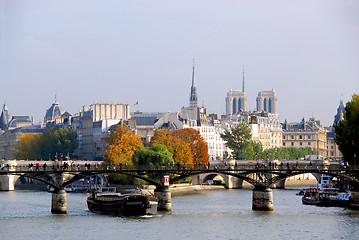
[[355, 199], [7, 182], [58, 202], [164, 198], [262, 199]]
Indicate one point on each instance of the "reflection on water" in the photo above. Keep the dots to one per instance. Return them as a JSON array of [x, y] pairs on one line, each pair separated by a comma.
[[220, 214]]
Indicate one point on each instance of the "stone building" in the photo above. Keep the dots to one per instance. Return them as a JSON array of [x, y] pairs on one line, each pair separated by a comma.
[[333, 149], [305, 134], [267, 101], [236, 101], [11, 130], [92, 126]]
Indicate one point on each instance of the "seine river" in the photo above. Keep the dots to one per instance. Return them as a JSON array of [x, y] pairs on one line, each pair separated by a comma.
[[219, 214]]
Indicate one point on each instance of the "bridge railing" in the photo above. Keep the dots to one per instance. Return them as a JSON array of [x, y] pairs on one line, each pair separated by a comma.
[[65, 166]]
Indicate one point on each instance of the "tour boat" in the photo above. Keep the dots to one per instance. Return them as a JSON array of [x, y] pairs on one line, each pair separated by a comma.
[[326, 194], [113, 203]]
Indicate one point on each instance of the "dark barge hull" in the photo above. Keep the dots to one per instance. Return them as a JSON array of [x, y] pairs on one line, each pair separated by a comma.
[[127, 205]]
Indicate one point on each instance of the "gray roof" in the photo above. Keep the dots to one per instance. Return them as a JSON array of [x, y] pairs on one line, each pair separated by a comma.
[[55, 111], [16, 120]]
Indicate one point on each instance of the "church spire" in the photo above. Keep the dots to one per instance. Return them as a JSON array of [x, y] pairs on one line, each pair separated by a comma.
[[243, 80], [193, 97]]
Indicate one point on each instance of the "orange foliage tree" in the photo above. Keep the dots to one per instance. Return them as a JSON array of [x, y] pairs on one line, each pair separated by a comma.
[[121, 144], [199, 147], [179, 149]]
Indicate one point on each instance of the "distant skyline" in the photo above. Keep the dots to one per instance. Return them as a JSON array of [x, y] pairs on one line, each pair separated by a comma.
[[89, 51]]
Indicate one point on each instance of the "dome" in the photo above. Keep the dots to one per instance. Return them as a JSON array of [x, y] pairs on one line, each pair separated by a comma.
[[55, 111]]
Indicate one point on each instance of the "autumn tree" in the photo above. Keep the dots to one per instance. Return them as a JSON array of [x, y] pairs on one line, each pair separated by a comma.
[[55, 141], [180, 150], [199, 147], [121, 145], [28, 147], [347, 131]]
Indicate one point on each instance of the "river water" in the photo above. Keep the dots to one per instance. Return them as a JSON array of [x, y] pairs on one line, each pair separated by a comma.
[[218, 214]]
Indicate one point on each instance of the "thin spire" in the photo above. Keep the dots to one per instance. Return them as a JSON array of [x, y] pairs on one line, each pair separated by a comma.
[[193, 97], [243, 80], [193, 77]]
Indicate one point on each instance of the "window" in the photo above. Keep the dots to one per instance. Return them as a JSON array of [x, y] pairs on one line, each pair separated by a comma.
[[292, 137], [309, 137], [284, 144], [292, 143], [300, 137], [308, 143], [300, 144]]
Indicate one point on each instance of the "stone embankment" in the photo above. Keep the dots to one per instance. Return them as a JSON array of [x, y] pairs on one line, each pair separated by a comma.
[[181, 189]]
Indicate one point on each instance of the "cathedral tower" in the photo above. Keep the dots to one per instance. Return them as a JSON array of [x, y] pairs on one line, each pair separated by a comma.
[[267, 102], [236, 100], [193, 99]]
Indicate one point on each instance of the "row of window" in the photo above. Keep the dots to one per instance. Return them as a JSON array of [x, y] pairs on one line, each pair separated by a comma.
[[309, 137], [300, 144]]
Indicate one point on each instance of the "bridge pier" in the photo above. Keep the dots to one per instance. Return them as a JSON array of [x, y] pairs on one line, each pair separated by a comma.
[[58, 202], [262, 199], [279, 184], [7, 182], [232, 182], [355, 199], [164, 197]]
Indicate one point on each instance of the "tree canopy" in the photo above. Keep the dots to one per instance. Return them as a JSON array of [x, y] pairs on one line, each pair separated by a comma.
[[239, 140], [199, 147], [54, 142], [347, 132], [180, 150], [186, 145], [156, 154], [121, 145]]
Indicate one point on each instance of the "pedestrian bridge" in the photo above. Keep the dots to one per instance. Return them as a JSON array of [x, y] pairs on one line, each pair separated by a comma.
[[59, 175]]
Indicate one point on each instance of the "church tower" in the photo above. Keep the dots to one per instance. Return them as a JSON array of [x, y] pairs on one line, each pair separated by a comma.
[[193, 99], [236, 100], [4, 118], [340, 112], [267, 101]]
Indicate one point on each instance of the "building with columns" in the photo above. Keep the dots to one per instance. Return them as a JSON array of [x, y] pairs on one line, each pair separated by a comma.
[[267, 101]]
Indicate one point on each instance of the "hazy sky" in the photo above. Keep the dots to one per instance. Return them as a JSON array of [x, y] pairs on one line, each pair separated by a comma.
[[126, 51]]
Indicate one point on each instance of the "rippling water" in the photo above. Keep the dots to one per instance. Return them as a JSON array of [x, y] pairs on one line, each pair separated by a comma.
[[220, 214]]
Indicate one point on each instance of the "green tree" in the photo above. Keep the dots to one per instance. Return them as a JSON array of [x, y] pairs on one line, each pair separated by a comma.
[[58, 141], [237, 139], [156, 154], [53, 142], [347, 132]]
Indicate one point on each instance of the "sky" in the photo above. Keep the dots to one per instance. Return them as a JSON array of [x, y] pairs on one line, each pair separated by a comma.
[[112, 51]]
